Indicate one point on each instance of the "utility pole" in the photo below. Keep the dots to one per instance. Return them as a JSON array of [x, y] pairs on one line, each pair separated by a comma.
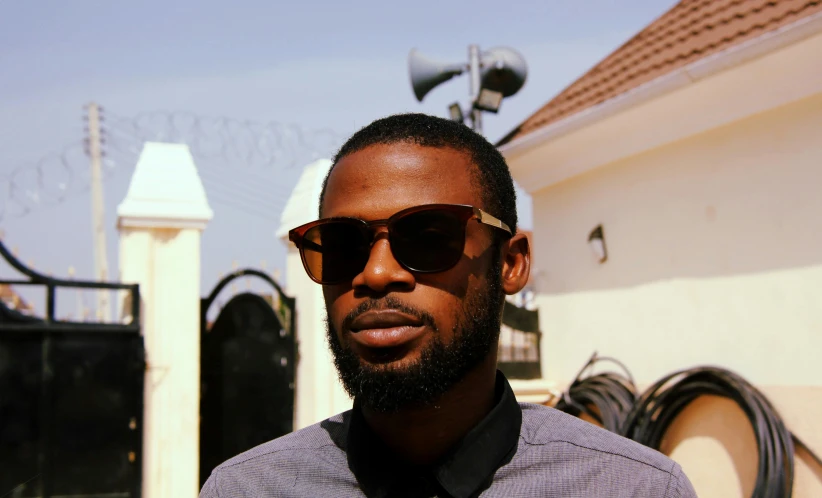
[[98, 226], [474, 85]]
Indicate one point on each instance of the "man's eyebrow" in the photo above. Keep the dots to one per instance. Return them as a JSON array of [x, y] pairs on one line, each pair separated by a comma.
[[342, 215]]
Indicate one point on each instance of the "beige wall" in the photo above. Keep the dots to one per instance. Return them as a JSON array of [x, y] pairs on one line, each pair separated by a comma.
[[715, 255]]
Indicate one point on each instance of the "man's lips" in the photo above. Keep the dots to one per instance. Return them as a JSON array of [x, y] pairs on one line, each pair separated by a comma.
[[385, 329]]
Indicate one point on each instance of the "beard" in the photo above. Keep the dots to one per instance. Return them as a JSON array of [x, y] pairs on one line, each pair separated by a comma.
[[388, 388]]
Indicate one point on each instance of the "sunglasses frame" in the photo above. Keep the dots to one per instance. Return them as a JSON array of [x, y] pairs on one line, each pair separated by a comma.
[[464, 212]]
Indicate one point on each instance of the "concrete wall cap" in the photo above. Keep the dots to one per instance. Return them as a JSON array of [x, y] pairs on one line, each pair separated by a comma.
[[303, 203], [165, 189]]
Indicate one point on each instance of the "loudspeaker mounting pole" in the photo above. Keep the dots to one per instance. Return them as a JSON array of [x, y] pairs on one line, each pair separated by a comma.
[[494, 74], [474, 88]]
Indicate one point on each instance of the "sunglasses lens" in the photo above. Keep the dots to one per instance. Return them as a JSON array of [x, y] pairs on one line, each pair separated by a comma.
[[428, 241], [335, 252]]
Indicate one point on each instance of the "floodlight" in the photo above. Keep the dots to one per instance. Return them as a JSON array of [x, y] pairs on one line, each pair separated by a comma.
[[455, 111], [488, 100]]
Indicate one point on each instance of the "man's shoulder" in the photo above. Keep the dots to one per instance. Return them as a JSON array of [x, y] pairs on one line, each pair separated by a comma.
[[311, 460], [330, 433], [551, 435], [543, 425]]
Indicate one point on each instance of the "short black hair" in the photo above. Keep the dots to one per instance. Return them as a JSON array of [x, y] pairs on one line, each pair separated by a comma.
[[492, 175]]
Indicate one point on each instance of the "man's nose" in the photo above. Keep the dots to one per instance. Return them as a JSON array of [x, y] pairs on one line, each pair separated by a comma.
[[382, 273]]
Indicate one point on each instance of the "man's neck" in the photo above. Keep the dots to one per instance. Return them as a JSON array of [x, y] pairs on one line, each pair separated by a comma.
[[422, 435]]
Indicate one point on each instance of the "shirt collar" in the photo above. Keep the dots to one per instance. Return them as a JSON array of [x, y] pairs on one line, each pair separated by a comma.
[[466, 469]]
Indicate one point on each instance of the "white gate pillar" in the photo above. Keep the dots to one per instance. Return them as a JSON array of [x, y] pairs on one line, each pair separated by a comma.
[[160, 222], [318, 393]]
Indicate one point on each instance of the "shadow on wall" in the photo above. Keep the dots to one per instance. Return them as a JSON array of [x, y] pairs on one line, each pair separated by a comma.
[[737, 200], [713, 440], [718, 429]]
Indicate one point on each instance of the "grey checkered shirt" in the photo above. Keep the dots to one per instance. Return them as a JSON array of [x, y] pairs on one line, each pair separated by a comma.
[[556, 455]]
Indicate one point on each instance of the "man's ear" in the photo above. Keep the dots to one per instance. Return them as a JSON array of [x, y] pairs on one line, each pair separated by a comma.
[[516, 263]]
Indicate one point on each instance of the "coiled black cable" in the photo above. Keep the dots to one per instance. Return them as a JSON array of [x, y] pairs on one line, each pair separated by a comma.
[[657, 407], [605, 397]]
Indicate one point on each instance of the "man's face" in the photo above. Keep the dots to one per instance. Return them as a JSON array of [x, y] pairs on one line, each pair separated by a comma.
[[401, 338]]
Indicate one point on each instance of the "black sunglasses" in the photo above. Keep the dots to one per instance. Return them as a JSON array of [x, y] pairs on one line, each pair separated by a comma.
[[423, 239]]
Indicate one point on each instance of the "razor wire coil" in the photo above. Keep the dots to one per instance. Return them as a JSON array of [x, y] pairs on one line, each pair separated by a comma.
[[235, 159]]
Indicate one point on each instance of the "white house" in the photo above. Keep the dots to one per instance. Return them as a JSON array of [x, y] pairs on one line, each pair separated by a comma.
[[697, 147]]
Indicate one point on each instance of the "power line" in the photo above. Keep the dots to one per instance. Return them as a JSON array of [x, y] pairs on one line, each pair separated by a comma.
[[215, 190], [245, 208], [261, 188]]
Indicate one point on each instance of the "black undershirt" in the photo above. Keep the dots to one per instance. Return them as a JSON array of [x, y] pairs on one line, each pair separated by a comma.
[[464, 472]]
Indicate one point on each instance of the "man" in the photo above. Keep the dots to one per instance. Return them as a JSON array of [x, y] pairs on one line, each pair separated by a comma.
[[415, 248]]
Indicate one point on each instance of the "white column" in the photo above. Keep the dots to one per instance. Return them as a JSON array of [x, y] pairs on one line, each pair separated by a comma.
[[319, 393], [160, 222]]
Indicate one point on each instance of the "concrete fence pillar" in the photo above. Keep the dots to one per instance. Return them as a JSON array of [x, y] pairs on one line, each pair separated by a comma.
[[161, 221], [319, 393]]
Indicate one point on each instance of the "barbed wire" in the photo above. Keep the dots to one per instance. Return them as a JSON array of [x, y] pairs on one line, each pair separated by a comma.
[[244, 142], [238, 160]]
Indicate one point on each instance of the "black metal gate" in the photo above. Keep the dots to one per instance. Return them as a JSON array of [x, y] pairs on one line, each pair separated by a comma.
[[71, 398], [247, 373]]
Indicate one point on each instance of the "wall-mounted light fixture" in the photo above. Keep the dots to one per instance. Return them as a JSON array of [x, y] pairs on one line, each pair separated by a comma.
[[597, 242]]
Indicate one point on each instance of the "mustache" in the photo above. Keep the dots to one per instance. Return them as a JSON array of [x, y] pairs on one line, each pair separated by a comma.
[[388, 303]]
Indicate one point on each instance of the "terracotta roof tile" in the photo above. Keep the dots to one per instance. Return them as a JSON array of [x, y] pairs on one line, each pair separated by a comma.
[[691, 30]]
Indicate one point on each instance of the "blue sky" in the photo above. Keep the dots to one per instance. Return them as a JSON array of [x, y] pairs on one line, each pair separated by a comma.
[[316, 64]]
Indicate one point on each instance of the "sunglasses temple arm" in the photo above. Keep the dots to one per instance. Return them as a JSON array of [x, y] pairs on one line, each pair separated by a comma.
[[487, 219]]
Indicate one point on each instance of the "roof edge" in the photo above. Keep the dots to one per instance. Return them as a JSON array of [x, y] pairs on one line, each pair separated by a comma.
[[667, 83], [507, 137]]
